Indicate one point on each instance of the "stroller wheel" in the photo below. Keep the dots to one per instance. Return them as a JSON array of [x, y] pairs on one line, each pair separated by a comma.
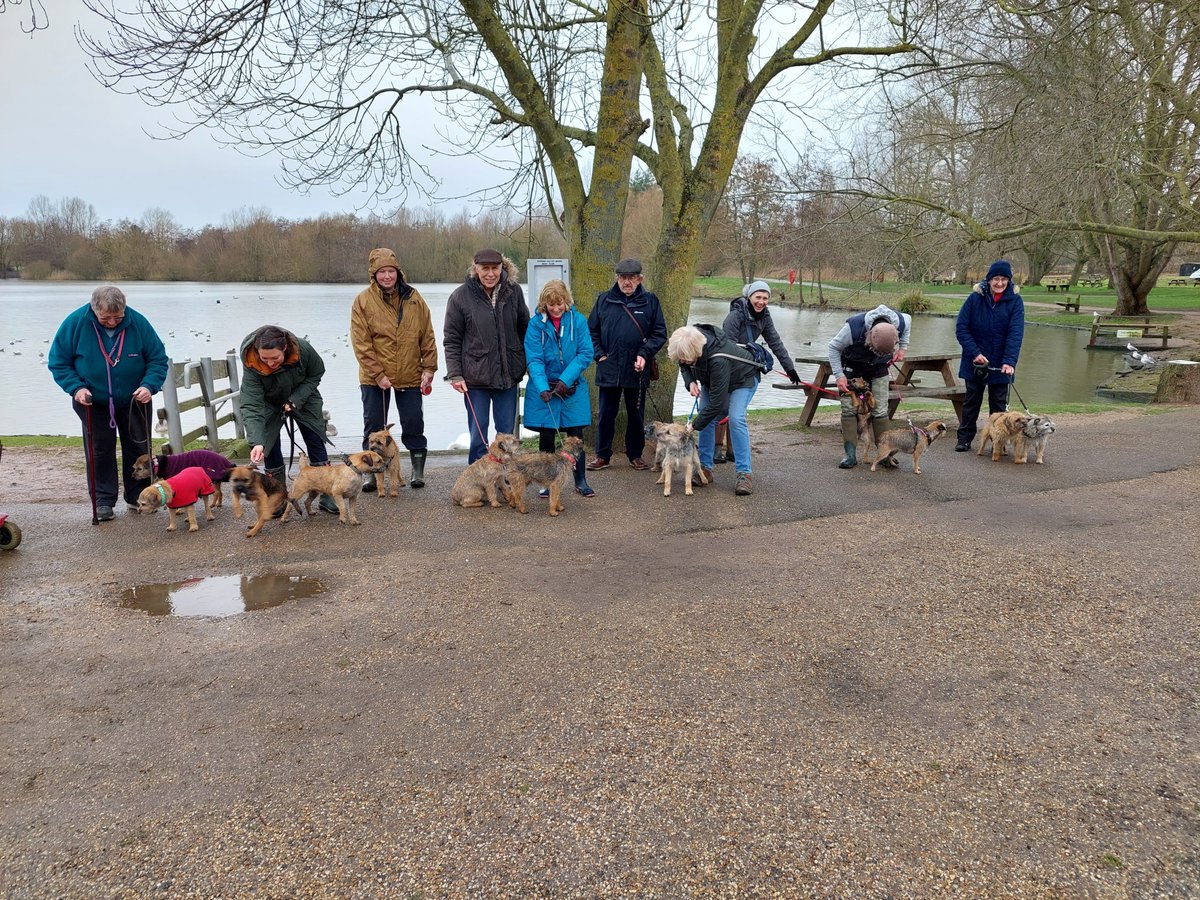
[[10, 536]]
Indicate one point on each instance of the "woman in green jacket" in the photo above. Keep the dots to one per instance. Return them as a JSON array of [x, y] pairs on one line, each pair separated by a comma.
[[280, 379]]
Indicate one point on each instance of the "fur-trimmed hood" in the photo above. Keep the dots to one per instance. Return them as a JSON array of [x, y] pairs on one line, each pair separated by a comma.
[[251, 359]]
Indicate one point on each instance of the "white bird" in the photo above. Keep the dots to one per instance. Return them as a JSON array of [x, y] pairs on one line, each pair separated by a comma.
[[462, 442], [1139, 360]]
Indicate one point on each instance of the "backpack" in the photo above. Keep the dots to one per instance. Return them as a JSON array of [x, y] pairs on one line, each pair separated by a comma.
[[762, 356]]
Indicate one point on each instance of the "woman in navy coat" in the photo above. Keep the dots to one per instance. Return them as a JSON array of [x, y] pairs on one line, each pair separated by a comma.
[[990, 327]]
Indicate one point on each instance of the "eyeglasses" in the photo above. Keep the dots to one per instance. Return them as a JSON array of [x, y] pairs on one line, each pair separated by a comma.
[[114, 318], [628, 277]]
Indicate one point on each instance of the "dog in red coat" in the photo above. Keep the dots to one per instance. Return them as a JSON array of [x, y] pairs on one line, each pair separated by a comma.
[[180, 492]]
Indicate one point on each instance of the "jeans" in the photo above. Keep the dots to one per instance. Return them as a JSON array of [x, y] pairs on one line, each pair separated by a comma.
[[973, 400], [314, 445], [606, 421], [409, 410], [100, 448], [739, 429], [481, 404]]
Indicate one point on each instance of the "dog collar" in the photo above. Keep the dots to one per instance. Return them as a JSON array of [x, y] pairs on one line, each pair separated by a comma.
[[162, 495], [495, 459], [567, 456]]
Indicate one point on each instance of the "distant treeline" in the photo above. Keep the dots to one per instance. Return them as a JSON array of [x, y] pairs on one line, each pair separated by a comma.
[[66, 240]]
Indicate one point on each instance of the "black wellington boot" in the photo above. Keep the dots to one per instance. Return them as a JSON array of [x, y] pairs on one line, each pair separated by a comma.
[[418, 468]]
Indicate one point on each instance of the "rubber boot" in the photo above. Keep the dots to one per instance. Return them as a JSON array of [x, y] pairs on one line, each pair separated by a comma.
[[370, 483], [279, 475], [719, 455], [879, 425], [418, 468], [850, 443], [581, 486], [325, 502]]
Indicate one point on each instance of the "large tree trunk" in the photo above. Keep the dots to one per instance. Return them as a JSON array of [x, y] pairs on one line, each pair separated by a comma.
[[1133, 268]]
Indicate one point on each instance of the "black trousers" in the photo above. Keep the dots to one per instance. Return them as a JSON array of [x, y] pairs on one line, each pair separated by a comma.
[[997, 395], [546, 445], [409, 409], [100, 447], [606, 425]]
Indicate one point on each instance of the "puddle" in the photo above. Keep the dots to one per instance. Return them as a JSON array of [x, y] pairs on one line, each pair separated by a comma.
[[219, 595]]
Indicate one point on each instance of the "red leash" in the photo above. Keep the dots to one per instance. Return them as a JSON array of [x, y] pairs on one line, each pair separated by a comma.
[[471, 406]]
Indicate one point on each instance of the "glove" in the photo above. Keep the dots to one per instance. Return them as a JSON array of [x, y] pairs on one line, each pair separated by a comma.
[[545, 395], [560, 389], [794, 376]]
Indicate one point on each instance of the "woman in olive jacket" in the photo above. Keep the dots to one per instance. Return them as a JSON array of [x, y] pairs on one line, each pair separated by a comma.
[[392, 335]]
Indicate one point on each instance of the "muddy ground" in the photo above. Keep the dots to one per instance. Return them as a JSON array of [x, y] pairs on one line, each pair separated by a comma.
[[980, 681]]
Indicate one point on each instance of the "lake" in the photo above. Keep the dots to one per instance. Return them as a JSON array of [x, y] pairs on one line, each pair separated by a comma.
[[197, 319]]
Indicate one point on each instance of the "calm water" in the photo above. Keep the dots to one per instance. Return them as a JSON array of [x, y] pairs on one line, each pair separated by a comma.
[[196, 320]]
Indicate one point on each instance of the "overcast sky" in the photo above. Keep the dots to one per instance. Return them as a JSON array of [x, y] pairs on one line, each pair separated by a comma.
[[63, 135]]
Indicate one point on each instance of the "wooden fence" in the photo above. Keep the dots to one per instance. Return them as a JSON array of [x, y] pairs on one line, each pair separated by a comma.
[[215, 383]]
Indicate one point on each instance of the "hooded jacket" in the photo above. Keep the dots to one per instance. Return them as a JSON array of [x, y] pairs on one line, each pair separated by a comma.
[[993, 328], [392, 335], [615, 336], [264, 392], [558, 356], [485, 344], [849, 354], [743, 326], [718, 374], [77, 361]]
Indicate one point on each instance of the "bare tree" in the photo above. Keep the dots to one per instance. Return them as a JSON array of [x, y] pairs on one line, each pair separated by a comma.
[[574, 91], [1078, 118], [34, 19]]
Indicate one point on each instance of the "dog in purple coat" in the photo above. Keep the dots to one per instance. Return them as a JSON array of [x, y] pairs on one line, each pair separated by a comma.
[[168, 465]]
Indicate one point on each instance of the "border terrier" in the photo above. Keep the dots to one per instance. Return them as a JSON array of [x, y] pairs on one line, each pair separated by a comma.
[[267, 494], [166, 465], [676, 449], [385, 445], [1025, 430], [550, 470], [862, 398], [913, 439], [478, 481], [341, 482], [178, 492]]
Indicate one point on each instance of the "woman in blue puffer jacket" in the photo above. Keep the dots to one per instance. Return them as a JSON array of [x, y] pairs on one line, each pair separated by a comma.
[[558, 349]]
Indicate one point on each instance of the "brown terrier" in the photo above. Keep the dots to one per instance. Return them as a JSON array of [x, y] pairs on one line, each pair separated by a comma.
[[180, 492], [385, 445], [265, 492], [480, 479], [912, 439], [1025, 430], [862, 398], [550, 470], [341, 482]]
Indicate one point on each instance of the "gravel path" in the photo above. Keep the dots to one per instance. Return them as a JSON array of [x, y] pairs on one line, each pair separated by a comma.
[[981, 681]]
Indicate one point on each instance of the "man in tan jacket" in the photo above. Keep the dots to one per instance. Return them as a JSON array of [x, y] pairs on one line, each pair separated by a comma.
[[392, 335]]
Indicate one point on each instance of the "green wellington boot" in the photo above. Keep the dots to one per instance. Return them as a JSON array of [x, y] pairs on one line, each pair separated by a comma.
[[849, 443]]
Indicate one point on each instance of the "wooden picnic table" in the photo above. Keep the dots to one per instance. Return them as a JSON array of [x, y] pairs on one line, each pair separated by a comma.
[[913, 362]]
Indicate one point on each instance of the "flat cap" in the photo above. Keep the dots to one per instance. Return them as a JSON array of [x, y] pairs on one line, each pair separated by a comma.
[[489, 257], [629, 267]]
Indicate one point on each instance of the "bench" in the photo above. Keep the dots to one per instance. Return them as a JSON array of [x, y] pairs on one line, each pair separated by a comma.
[[1140, 329], [1056, 282], [1181, 281], [1070, 305], [1093, 281]]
